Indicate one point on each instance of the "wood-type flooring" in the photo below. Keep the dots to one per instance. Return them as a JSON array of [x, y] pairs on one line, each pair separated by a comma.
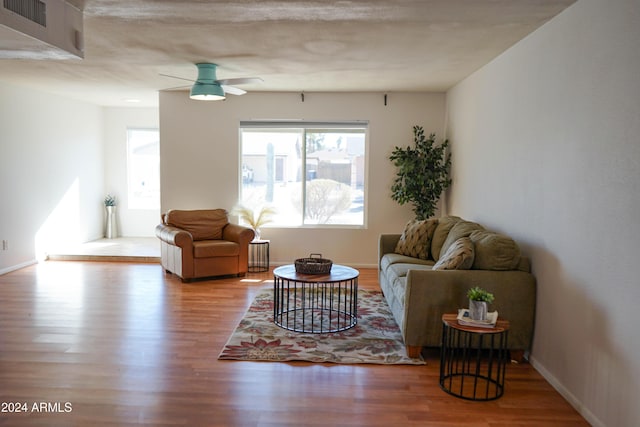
[[123, 344]]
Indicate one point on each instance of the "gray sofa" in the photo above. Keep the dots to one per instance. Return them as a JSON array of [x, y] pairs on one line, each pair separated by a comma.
[[421, 284]]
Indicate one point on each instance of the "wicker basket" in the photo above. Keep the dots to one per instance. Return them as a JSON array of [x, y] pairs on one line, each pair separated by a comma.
[[314, 264]]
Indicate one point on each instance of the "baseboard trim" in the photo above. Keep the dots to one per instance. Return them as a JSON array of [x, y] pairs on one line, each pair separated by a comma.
[[106, 258], [570, 397], [17, 267]]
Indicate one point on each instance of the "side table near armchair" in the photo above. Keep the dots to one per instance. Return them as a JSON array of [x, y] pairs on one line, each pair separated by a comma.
[[259, 256], [203, 243]]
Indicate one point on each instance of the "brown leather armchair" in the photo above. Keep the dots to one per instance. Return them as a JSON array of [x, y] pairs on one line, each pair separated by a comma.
[[203, 243]]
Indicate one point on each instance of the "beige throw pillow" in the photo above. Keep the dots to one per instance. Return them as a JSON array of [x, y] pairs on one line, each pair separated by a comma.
[[440, 234], [460, 229], [416, 238], [459, 256], [494, 251]]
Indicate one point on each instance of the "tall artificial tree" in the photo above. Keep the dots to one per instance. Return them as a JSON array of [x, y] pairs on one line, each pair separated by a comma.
[[423, 173]]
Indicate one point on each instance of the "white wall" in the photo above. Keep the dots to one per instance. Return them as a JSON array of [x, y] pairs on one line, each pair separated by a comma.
[[199, 152], [546, 146], [130, 222], [51, 173]]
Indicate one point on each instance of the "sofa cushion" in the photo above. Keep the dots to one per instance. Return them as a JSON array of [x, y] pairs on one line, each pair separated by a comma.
[[494, 251], [400, 270], [416, 238], [459, 256], [215, 248], [460, 229], [440, 234], [204, 224], [393, 258], [396, 276]]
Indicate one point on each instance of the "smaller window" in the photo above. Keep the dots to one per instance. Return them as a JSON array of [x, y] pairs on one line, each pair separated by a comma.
[[143, 168]]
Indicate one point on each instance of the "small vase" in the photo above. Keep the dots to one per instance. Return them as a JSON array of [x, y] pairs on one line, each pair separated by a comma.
[[478, 310], [257, 234]]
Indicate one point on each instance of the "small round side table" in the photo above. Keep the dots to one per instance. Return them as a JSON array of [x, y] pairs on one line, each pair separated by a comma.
[[473, 359], [258, 256]]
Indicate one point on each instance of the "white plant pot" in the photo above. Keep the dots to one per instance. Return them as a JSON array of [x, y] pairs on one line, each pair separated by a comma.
[[478, 310]]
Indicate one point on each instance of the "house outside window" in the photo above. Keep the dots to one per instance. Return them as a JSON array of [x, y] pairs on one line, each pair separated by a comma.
[[312, 173], [143, 168]]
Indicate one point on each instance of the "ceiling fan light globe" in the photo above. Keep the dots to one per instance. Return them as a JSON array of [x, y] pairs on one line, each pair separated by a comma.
[[207, 92], [207, 97]]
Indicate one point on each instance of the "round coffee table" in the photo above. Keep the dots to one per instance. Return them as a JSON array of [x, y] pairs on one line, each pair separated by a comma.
[[315, 303]]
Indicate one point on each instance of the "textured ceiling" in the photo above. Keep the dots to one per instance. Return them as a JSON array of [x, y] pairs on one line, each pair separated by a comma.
[[357, 45]]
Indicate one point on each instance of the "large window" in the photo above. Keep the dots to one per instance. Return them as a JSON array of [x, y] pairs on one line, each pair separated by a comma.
[[311, 173], [143, 168]]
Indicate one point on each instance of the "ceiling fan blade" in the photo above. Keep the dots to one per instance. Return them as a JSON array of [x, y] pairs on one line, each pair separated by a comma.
[[240, 81], [233, 90], [177, 87], [176, 77]]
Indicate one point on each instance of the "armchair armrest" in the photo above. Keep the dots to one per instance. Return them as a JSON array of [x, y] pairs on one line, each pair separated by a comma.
[[241, 235], [237, 233], [174, 236]]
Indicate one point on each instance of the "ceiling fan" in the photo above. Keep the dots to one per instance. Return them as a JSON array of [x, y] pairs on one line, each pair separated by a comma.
[[208, 88]]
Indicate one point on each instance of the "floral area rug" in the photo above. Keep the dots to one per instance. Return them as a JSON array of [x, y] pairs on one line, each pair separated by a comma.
[[374, 339]]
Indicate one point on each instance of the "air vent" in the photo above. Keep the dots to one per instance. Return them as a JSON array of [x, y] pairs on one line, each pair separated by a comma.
[[40, 29], [33, 10]]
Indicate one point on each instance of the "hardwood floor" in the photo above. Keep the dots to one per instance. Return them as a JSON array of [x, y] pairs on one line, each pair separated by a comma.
[[118, 344]]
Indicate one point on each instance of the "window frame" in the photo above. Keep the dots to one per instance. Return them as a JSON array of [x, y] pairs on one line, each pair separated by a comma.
[[132, 204], [356, 126]]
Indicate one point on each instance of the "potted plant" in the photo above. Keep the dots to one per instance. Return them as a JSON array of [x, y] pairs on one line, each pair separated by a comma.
[[109, 200], [479, 299], [110, 224], [254, 217], [423, 173]]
